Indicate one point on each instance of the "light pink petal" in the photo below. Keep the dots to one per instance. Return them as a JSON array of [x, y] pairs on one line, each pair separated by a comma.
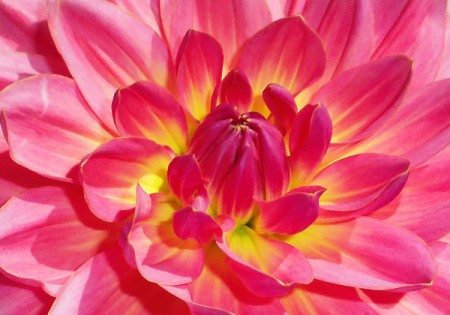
[[107, 284], [281, 104], [147, 110], [197, 225], [199, 70], [360, 184], [413, 28], [366, 253], [266, 267], [419, 129], [286, 52], [186, 182], [159, 252], [17, 298], [289, 214], [105, 49], [361, 99], [48, 125], [111, 173], [282, 8], [230, 22], [309, 138], [236, 90], [320, 298], [444, 67], [47, 233]]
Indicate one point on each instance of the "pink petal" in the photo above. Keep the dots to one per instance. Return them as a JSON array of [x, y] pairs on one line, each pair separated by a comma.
[[230, 22], [147, 110], [107, 284], [48, 126], [94, 39], [199, 70], [265, 266], [444, 67], [309, 137], [48, 232], [281, 104], [111, 173], [366, 253], [186, 182], [197, 225], [361, 99], [360, 184], [419, 129], [289, 214], [236, 90], [414, 28], [282, 8], [159, 251], [17, 298], [294, 58]]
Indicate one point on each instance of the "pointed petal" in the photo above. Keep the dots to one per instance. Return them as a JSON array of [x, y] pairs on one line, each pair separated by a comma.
[[236, 90], [159, 251], [266, 267], [95, 41], [309, 139], [107, 283], [111, 173], [199, 70], [361, 99], [360, 184], [147, 110], [281, 104], [48, 125], [197, 225], [47, 233], [366, 253], [294, 58], [17, 298]]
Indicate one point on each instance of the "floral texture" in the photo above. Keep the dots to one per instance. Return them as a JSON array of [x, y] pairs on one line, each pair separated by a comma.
[[224, 157]]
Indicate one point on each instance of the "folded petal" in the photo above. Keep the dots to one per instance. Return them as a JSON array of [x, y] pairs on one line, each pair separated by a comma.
[[158, 249], [48, 126], [107, 283], [197, 225], [281, 104], [111, 174], [360, 184], [236, 90], [361, 99], [47, 233], [199, 70], [105, 49], [17, 298], [147, 110], [366, 253]]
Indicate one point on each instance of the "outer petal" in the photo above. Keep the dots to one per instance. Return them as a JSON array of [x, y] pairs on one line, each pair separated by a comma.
[[160, 253], [96, 43], [147, 110], [294, 59], [17, 298], [199, 70], [361, 99], [111, 173], [47, 233], [360, 184], [48, 125], [106, 284], [366, 253]]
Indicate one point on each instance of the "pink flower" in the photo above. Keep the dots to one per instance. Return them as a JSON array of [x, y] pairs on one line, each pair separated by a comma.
[[217, 157]]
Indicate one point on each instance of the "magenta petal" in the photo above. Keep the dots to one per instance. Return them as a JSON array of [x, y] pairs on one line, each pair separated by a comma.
[[191, 224], [281, 104], [236, 90]]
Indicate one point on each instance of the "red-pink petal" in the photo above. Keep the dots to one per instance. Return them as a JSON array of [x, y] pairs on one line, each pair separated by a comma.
[[309, 138], [17, 298], [47, 233], [199, 70], [112, 172], [105, 49], [236, 90], [159, 251], [107, 283], [48, 125], [281, 104], [366, 253], [147, 110], [197, 225], [361, 99]]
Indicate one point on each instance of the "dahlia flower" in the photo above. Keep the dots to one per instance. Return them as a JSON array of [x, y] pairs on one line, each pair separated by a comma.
[[224, 157]]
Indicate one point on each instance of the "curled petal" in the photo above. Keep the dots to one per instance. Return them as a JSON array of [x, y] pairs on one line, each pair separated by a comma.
[[197, 225], [281, 104], [236, 90]]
